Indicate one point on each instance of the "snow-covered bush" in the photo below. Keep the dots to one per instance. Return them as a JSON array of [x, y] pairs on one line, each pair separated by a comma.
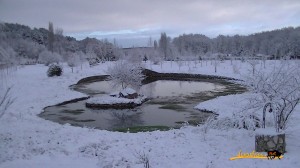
[[277, 92], [247, 119], [48, 57], [208, 124], [54, 70], [92, 150], [223, 123], [126, 74]]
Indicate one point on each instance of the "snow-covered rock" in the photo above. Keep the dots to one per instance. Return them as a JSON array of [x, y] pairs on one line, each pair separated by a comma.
[[128, 93], [271, 131]]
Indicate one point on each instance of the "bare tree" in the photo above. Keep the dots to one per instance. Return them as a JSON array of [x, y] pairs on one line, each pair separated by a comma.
[[59, 31], [215, 60], [253, 63], [58, 38]]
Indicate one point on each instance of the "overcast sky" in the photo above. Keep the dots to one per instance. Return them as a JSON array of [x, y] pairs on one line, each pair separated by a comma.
[[131, 22]]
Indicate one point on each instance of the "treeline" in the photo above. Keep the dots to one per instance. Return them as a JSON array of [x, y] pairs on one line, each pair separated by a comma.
[[275, 44], [19, 42]]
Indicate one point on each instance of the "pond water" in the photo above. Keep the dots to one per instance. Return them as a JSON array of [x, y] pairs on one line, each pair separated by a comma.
[[160, 88], [171, 104]]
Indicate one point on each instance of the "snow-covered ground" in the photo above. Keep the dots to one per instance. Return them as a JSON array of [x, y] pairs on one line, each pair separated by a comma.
[[29, 141]]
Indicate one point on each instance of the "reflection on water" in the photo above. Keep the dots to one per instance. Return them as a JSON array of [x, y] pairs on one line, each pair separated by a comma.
[[165, 88], [162, 110], [161, 88]]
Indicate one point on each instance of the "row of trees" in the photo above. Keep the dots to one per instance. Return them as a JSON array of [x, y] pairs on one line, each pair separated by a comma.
[[19, 44], [276, 43]]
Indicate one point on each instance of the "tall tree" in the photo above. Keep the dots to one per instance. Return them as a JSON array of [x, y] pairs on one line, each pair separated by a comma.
[[58, 38], [155, 44], [163, 44], [150, 42], [50, 37]]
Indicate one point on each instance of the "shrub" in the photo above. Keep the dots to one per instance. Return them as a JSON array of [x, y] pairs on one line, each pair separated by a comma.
[[54, 70]]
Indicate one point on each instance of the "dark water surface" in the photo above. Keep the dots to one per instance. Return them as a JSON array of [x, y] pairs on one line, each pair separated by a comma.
[[171, 104]]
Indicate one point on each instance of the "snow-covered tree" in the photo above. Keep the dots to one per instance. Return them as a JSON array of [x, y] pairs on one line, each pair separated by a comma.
[[83, 58], [277, 91], [117, 52], [126, 74], [47, 57], [73, 60], [7, 56]]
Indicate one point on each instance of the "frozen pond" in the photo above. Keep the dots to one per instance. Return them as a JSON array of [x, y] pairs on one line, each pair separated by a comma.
[[171, 104]]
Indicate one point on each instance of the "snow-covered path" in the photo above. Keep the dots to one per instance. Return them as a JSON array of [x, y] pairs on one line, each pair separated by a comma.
[[29, 141]]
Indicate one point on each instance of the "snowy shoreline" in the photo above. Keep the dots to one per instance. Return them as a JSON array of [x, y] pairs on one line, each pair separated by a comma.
[[29, 141]]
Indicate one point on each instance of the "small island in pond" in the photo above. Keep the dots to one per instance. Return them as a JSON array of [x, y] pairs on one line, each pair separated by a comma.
[[127, 98]]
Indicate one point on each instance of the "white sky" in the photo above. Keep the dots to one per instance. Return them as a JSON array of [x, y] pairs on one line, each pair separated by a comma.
[[133, 21]]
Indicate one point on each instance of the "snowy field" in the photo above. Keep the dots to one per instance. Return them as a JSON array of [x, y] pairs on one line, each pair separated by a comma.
[[28, 141]]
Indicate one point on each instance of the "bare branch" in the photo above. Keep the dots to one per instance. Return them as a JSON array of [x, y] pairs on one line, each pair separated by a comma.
[[5, 101], [280, 88]]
